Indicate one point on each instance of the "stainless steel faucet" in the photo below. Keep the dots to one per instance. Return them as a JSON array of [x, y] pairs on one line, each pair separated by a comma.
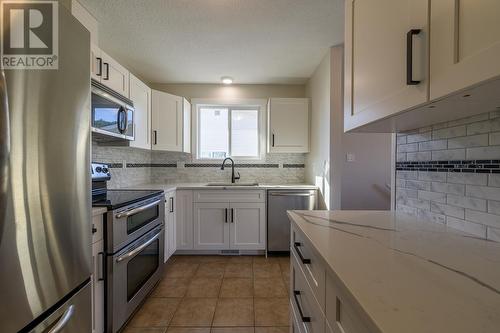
[[233, 177]]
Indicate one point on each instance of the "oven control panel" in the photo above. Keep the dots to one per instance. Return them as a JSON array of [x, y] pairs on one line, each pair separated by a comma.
[[100, 171]]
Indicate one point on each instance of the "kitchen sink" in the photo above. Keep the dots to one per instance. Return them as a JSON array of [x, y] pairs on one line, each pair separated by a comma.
[[233, 184]]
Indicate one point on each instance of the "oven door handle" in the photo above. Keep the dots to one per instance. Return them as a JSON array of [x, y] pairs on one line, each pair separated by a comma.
[[138, 249], [137, 210]]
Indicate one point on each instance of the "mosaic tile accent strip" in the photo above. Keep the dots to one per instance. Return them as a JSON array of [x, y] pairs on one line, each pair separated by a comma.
[[218, 165], [151, 165], [290, 166], [471, 166]]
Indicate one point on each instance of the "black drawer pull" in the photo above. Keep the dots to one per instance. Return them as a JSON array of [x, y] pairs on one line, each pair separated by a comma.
[[305, 319], [305, 261], [409, 57]]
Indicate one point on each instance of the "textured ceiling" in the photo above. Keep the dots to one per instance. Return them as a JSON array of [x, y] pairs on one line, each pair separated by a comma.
[[198, 41]]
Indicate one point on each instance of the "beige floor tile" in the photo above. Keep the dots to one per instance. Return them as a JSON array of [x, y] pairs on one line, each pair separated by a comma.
[[271, 311], [195, 312], [188, 330], [213, 259], [236, 287], [144, 330], [264, 271], [171, 287], [180, 270], [155, 312], [285, 267], [272, 287], [240, 259], [284, 329], [234, 312], [238, 270], [286, 281], [232, 330], [213, 270], [204, 287], [263, 260]]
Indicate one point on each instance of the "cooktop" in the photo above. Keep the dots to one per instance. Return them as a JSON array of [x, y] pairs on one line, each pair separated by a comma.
[[113, 199]]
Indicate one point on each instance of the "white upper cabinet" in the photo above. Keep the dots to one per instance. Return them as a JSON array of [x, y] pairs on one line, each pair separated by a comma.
[[288, 125], [140, 94], [170, 120], [95, 62], [114, 75], [465, 44], [381, 79]]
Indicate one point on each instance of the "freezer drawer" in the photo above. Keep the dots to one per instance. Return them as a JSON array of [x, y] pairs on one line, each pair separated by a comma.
[[278, 224]]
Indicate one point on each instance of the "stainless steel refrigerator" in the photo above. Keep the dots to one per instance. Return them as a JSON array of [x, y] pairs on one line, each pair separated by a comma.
[[45, 204]]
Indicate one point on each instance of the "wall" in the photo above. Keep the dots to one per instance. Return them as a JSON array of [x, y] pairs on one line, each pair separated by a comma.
[[318, 89], [449, 173], [136, 166]]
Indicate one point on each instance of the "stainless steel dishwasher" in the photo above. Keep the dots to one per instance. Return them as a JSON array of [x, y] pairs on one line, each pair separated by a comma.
[[278, 224]]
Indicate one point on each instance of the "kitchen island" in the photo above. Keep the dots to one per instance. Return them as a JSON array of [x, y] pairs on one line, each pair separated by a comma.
[[374, 271]]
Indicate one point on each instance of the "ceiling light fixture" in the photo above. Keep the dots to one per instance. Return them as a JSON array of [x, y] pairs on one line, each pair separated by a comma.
[[226, 80]]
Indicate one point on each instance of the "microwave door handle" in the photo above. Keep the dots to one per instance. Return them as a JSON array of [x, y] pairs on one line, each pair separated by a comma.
[[137, 210], [138, 249], [125, 120]]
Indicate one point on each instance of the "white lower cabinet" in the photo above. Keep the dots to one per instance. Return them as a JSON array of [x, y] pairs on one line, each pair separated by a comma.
[[184, 219], [211, 228], [170, 225], [247, 228], [97, 278]]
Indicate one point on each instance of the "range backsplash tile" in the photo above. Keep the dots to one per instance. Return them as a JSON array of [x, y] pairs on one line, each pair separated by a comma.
[[450, 173], [132, 166]]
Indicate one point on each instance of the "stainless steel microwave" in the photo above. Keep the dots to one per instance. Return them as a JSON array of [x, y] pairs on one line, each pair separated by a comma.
[[112, 114]]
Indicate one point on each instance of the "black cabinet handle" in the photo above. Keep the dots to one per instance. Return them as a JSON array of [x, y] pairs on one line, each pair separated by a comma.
[[100, 273], [273, 141], [171, 204], [232, 215], [99, 67], [305, 319], [107, 71], [94, 229], [225, 213], [409, 57], [296, 246], [155, 136]]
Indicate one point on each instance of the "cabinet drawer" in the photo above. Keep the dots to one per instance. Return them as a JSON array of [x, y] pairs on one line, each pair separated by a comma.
[[229, 196], [309, 314], [341, 315], [97, 228], [294, 319], [311, 265]]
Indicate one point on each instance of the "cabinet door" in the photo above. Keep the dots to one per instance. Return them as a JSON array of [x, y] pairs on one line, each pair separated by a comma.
[[114, 75], [98, 287], [376, 62], [167, 124], [465, 44], [184, 219], [168, 230], [248, 226], [140, 94], [288, 125], [95, 62], [170, 211], [211, 226], [186, 126]]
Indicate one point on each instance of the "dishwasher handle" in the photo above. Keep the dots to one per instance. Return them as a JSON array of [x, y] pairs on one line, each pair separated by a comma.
[[291, 194]]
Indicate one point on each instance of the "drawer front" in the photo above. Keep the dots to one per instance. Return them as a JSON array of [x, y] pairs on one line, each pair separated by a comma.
[[229, 196], [97, 228], [310, 317], [311, 265], [341, 315], [294, 319]]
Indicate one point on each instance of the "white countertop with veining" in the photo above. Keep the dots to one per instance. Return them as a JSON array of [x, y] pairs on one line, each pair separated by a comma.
[[409, 276], [98, 211], [204, 186]]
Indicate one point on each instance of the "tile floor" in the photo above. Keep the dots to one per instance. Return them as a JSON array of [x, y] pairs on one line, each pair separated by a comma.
[[218, 294]]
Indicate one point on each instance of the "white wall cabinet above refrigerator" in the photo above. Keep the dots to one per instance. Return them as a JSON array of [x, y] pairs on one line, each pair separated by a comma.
[[140, 94], [108, 71], [419, 63], [171, 122], [288, 125]]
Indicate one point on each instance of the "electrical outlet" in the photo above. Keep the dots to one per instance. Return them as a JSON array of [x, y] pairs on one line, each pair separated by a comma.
[[350, 157]]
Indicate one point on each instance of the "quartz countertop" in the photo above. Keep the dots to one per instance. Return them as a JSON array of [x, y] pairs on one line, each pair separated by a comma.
[[204, 186], [409, 275]]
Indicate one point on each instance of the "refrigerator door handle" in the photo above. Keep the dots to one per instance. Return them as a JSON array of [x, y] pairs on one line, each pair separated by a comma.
[[64, 319], [4, 144]]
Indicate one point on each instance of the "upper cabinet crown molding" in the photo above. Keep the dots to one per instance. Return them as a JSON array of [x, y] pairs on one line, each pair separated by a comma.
[[288, 125], [421, 63], [171, 119]]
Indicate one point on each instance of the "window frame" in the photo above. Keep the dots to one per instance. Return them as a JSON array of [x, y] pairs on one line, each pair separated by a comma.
[[234, 104]]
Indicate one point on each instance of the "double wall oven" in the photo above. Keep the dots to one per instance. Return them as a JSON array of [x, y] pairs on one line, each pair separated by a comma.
[[134, 245]]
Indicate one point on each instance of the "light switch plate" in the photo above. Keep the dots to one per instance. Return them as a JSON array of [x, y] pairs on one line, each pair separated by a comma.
[[350, 157]]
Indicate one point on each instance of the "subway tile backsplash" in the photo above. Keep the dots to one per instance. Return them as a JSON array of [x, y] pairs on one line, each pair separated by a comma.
[[132, 166], [449, 173]]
